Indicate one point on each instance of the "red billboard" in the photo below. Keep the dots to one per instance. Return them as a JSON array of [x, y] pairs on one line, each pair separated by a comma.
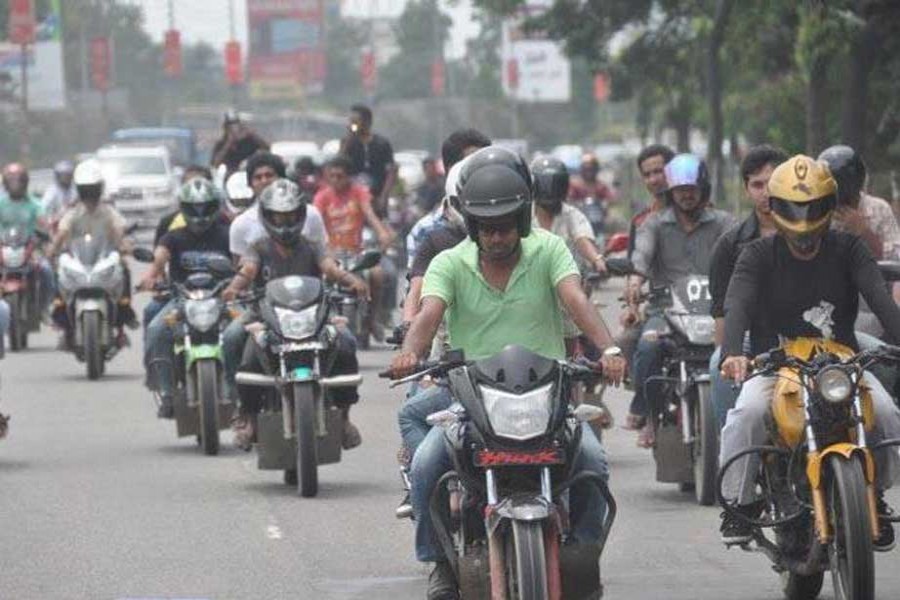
[[100, 63], [21, 21], [286, 59], [234, 71]]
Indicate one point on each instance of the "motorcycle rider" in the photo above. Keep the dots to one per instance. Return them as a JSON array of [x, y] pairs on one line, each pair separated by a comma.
[[262, 169], [673, 243], [506, 284], [237, 144], [346, 207], [239, 195], [587, 184], [100, 220], [756, 169], [205, 234], [61, 195], [802, 282], [371, 158], [285, 251], [19, 209]]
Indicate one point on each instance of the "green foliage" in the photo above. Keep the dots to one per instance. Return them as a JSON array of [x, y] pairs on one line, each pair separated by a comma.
[[421, 33], [343, 41]]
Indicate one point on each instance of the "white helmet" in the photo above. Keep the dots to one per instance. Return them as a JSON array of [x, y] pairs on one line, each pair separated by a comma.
[[88, 172], [238, 193], [451, 194]]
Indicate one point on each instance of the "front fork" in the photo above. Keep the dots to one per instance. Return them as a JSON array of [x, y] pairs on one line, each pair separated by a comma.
[[287, 400]]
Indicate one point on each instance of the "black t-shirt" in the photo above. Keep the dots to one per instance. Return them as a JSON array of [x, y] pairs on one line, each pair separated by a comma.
[[163, 227], [189, 252], [437, 239], [429, 195], [772, 293], [245, 147], [371, 159], [724, 257], [278, 261]]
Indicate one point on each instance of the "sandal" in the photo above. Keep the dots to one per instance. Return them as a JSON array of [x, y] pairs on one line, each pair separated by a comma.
[[647, 437]]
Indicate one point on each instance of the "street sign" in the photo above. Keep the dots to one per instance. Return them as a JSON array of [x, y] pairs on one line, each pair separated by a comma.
[[100, 63], [21, 21], [234, 71], [172, 54]]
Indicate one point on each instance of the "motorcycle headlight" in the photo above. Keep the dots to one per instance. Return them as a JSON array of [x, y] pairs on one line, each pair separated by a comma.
[[518, 417], [202, 315], [72, 273], [298, 324], [699, 329], [13, 257], [103, 273], [834, 384]]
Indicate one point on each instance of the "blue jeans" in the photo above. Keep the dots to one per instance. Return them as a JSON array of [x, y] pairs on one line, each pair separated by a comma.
[[159, 355], [47, 282], [431, 461], [4, 316], [151, 310], [234, 338], [724, 393], [648, 359], [414, 412]]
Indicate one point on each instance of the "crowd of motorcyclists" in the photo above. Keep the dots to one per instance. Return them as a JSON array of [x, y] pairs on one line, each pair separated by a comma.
[[501, 267]]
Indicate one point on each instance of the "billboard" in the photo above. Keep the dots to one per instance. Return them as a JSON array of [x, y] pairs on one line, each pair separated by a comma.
[[535, 68], [286, 59], [46, 82]]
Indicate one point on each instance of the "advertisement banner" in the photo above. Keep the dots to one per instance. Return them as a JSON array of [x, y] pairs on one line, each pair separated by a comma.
[[172, 54], [537, 69], [21, 21], [46, 81], [286, 59]]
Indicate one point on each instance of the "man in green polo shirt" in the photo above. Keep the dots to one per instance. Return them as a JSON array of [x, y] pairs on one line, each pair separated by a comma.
[[507, 284]]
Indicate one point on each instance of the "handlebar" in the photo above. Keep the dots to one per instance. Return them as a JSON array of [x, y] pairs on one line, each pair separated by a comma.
[[581, 370], [777, 358]]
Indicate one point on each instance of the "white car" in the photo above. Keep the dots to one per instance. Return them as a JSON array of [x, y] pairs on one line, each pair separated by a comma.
[[409, 167], [140, 182], [290, 151]]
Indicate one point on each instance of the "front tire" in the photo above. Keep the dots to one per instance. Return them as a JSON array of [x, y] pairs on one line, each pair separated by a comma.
[[307, 450], [207, 380], [706, 446], [93, 350], [801, 587], [527, 562], [16, 326], [851, 555]]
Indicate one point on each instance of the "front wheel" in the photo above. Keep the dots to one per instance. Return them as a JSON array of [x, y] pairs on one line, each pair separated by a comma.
[[706, 446], [307, 455], [16, 326], [850, 553], [527, 562], [93, 349], [207, 390], [801, 587]]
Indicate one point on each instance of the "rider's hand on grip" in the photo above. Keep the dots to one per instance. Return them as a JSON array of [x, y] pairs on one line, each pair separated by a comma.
[[613, 368], [736, 368], [403, 364]]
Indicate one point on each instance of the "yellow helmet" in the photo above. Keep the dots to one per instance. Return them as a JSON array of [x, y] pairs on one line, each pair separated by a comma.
[[803, 196]]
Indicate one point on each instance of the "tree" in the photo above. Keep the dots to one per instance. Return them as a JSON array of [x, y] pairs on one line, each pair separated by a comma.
[[421, 33]]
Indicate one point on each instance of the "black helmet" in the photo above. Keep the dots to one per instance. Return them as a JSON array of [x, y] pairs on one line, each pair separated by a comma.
[[848, 169], [495, 182], [282, 209], [200, 202], [551, 183]]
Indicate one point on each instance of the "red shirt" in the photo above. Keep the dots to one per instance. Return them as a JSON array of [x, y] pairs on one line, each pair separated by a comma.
[[343, 215], [579, 190]]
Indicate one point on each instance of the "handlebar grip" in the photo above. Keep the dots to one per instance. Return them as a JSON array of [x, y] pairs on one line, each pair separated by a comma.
[[385, 375]]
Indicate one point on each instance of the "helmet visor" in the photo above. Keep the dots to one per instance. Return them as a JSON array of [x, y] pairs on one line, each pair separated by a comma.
[[803, 212], [199, 211], [283, 219]]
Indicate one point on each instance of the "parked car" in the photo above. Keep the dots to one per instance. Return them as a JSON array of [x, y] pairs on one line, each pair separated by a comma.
[[140, 182]]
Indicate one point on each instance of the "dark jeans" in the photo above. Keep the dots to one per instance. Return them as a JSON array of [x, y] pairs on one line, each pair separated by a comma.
[[340, 359], [648, 359]]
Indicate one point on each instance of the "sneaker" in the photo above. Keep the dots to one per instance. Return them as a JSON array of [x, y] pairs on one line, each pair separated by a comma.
[[350, 437], [244, 432], [442, 583], [735, 530], [166, 408], [885, 541], [405, 509]]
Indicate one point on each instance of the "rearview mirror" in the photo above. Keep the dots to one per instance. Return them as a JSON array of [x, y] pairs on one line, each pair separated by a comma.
[[142, 255], [890, 270], [369, 259], [619, 266]]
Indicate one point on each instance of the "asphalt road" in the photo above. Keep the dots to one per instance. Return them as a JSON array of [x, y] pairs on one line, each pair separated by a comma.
[[100, 500]]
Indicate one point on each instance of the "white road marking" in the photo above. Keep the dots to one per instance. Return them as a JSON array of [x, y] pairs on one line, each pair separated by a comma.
[[273, 531]]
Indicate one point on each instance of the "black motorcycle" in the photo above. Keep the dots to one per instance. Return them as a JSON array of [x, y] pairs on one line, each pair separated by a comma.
[[358, 311], [501, 514]]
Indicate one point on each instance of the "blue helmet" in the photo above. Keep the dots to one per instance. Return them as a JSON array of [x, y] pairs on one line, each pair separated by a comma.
[[688, 169]]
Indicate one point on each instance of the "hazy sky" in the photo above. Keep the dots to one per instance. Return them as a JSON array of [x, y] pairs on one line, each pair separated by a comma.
[[207, 20]]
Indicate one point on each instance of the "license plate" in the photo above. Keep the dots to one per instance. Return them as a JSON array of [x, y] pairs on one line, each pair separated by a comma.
[[505, 458], [301, 373]]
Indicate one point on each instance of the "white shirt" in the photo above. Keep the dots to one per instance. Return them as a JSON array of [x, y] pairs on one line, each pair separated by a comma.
[[57, 200], [247, 228]]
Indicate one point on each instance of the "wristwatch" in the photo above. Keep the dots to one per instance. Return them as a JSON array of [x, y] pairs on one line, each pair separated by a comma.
[[612, 351]]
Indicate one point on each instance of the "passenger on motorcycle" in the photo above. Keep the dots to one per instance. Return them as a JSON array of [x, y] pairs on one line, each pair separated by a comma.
[[61, 195], [673, 243], [308, 175], [181, 250], [92, 217], [285, 251], [756, 169], [506, 284], [262, 169], [803, 282], [588, 183], [19, 209], [346, 208]]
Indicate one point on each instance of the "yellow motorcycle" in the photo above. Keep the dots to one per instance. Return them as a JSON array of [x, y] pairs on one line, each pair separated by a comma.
[[817, 479]]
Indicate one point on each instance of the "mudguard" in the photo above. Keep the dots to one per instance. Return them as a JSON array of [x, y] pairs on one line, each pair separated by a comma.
[[815, 460], [83, 305], [203, 351]]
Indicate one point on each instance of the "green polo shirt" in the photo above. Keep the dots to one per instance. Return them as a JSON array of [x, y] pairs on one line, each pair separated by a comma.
[[19, 213], [482, 320]]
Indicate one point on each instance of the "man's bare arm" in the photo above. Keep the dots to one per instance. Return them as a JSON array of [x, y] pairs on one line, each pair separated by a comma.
[[411, 303], [424, 327], [583, 312]]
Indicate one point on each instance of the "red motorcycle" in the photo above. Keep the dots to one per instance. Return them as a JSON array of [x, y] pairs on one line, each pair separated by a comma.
[[18, 285]]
